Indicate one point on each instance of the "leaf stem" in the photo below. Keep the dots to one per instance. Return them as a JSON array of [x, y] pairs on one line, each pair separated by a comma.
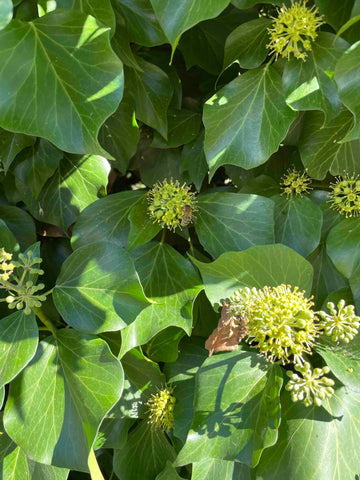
[[163, 235], [95, 472], [44, 319]]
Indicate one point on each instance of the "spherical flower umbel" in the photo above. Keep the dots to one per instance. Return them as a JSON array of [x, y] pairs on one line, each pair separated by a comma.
[[280, 320], [171, 204], [341, 324], [311, 387], [345, 195], [293, 30], [161, 409], [295, 183]]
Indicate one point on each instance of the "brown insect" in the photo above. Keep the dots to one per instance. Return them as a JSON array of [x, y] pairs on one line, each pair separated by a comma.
[[187, 215], [229, 332]]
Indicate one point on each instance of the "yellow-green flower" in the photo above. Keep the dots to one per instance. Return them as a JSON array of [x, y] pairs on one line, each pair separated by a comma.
[[293, 30], [341, 324], [280, 321], [311, 387], [345, 195], [161, 409], [6, 267], [295, 183], [171, 204]]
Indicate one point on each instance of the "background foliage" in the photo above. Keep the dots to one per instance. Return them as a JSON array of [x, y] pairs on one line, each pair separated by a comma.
[[101, 99]]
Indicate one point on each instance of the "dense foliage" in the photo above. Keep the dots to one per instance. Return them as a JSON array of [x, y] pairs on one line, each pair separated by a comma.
[[180, 240]]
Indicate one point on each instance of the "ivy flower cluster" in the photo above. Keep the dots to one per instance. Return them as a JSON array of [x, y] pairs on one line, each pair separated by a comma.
[[172, 205], [345, 195], [295, 183], [293, 30], [15, 278], [281, 323], [161, 409]]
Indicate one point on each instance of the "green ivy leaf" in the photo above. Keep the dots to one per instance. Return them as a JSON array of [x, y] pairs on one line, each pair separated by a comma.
[[193, 161], [347, 77], [56, 405], [234, 221], [100, 9], [237, 401], [169, 473], [183, 126], [142, 226], [247, 44], [72, 95], [215, 468], [249, 3], [321, 149], [246, 120], [18, 344], [324, 437], [10, 145], [98, 289], [343, 245], [255, 267], [139, 17], [152, 92], [7, 239], [106, 218], [297, 223], [144, 455], [175, 19], [164, 347], [308, 85], [337, 15], [20, 224]]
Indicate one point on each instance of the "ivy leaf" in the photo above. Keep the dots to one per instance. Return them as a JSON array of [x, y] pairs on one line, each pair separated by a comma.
[[106, 218], [98, 289], [144, 455], [20, 224], [343, 245], [73, 186], [255, 267], [139, 17], [56, 405], [347, 77], [142, 226], [11, 144], [249, 3], [216, 468], [193, 160], [234, 221], [183, 126], [169, 473], [297, 223], [152, 92], [308, 85], [247, 44], [246, 120], [72, 94], [175, 19], [6, 13], [324, 437], [100, 9], [7, 239], [321, 148], [337, 15], [18, 344], [236, 400]]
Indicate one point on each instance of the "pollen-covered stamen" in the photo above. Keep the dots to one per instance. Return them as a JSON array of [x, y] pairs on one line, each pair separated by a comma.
[[345, 195], [161, 409], [6, 266], [295, 183]]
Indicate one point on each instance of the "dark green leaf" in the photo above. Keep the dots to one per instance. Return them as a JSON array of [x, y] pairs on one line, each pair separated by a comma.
[[246, 120], [142, 226], [337, 14], [176, 18], [144, 455], [193, 160], [20, 223], [106, 218], [18, 343], [250, 3], [7, 239], [308, 85], [100, 9], [343, 245], [247, 44], [320, 147], [164, 347], [98, 289], [56, 405], [297, 223], [256, 267], [152, 91], [54, 93], [234, 221], [162, 164], [169, 473], [347, 77], [183, 126], [261, 185], [10, 145], [237, 409]]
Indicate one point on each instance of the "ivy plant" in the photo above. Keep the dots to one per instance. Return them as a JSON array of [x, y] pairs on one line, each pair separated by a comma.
[[179, 240]]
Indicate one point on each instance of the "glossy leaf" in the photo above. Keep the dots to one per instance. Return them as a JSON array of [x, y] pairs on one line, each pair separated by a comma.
[[106, 218], [142, 226], [20, 224], [212, 468], [64, 394], [255, 267], [193, 161], [236, 401], [321, 149], [247, 44], [87, 86], [234, 221], [6, 13], [309, 86], [7, 239], [183, 126], [175, 19], [100, 9], [297, 223], [242, 126], [98, 289], [18, 344], [343, 246], [11, 144], [169, 473]]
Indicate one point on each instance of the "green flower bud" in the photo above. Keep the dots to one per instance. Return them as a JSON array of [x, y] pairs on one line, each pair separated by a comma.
[[161, 409], [295, 183], [345, 195], [342, 323]]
